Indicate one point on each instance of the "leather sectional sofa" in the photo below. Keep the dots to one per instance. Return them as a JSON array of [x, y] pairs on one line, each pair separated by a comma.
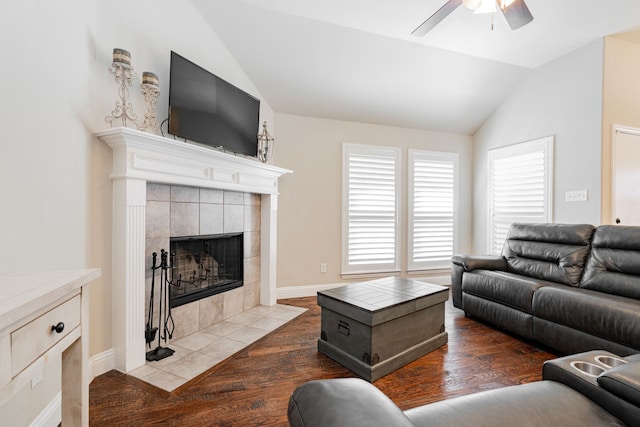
[[581, 390], [572, 287]]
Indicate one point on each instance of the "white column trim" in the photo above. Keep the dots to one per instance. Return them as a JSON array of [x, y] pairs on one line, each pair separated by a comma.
[[268, 248]]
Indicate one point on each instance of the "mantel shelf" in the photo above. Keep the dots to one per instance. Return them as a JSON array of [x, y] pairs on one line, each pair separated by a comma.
[[153, 158]]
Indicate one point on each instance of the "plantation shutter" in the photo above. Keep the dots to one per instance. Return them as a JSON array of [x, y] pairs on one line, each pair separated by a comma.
[[520, 182], [432, 209], [370, 208]]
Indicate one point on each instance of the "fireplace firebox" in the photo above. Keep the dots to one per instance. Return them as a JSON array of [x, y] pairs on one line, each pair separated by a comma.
[[205, 266]]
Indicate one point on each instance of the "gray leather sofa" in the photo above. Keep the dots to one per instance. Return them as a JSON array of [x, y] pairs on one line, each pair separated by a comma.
[[579, 390], [572, 287]]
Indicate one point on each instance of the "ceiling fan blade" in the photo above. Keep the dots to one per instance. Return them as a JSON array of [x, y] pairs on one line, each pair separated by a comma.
[[517, 14], [435, 19]]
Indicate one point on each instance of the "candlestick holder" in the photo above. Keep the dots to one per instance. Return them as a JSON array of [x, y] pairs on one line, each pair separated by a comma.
[[123, 74], [150, 90]]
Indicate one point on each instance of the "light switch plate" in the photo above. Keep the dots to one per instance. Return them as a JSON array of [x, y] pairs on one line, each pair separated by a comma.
[[576, 196]]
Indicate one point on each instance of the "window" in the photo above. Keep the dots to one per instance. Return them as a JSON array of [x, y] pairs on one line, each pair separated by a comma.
[[520, 186], [433, 191], [371, 188]]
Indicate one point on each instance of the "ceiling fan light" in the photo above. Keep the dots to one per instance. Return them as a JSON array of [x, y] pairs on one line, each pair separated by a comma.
[[471, 4], [486, 6]]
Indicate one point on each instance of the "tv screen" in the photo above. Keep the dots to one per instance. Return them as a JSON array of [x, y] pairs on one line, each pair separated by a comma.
[[206, 109]]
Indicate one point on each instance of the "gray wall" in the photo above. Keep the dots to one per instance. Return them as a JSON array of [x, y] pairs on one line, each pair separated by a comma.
[[562, 98]]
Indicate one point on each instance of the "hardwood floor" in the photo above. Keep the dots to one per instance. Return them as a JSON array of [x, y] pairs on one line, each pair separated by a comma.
[[252, 388]]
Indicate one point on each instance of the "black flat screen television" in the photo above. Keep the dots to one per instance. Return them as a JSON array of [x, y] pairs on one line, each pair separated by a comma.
[[206, 109]]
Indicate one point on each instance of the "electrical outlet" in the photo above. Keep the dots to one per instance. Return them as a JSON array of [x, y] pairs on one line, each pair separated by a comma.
[[323, 267], [576, 196]]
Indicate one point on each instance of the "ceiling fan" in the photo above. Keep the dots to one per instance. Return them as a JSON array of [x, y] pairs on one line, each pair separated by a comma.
[[515, 12]]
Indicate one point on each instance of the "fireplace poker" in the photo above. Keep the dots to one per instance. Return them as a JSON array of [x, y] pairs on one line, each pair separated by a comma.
[[163, 288], [150, 331], [169, 316]]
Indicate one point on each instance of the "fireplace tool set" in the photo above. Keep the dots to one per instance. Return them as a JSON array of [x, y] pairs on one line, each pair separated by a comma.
[[164, 308]]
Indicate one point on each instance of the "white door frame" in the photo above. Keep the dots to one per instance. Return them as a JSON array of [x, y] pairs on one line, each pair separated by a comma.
[[615, 129]]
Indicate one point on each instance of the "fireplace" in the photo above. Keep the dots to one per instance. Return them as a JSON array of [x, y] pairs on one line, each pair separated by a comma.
[[205, 266], [139, 158]]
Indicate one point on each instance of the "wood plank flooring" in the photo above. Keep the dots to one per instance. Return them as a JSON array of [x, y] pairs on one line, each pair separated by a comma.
[[252, 387]]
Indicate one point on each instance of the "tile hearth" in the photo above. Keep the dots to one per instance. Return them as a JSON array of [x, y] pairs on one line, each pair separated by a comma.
[[198, 352]]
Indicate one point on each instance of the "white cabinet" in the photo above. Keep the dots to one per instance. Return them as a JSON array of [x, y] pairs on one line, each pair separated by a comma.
[[42, 316]]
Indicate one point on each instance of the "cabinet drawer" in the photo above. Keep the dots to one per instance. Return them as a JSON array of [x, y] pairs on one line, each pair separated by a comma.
[[36, 337]]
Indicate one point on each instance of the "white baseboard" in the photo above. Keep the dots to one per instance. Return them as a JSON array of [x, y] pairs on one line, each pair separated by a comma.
[[51, 414], [101, 363], [312, 290], [442, 280], [304, 290]]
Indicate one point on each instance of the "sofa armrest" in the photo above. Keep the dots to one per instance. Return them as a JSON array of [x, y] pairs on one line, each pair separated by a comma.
[[480, 262], [463, 263], [343, 402], [623, 381], [615, 393]]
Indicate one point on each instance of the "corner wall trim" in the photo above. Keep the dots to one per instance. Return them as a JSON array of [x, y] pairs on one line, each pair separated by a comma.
[[101, 363]]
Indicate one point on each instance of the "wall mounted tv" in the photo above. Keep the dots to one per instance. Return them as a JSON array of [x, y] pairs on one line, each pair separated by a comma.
[[206, 109]]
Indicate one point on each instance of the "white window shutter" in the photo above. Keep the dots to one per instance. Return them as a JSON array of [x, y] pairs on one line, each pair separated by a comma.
[[432, 224], [520, 187], [370, 209]]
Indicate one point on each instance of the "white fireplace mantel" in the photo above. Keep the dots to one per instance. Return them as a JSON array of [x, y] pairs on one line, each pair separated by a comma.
[[140, 157]]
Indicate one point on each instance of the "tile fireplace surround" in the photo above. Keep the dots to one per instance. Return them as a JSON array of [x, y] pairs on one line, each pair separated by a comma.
[[140, 158], [177, 211]]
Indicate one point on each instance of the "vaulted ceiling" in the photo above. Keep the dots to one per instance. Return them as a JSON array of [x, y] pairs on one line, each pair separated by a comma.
[[356, 60]]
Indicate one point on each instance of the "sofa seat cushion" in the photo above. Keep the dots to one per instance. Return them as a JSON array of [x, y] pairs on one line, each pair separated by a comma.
[[510, 289], [607, 316]]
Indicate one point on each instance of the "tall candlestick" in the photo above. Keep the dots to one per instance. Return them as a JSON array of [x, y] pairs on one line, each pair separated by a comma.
[[122, 56], [123, 74], [148, 78], [150, 89]]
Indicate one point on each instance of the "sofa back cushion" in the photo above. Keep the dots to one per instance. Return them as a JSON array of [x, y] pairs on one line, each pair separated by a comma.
[[553, 252], [613, 265]]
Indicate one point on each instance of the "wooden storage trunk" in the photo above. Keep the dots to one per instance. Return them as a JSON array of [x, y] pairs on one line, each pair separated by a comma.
[[373, 328]]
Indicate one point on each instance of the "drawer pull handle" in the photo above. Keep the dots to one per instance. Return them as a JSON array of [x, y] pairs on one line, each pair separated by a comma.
[[58, 328]]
